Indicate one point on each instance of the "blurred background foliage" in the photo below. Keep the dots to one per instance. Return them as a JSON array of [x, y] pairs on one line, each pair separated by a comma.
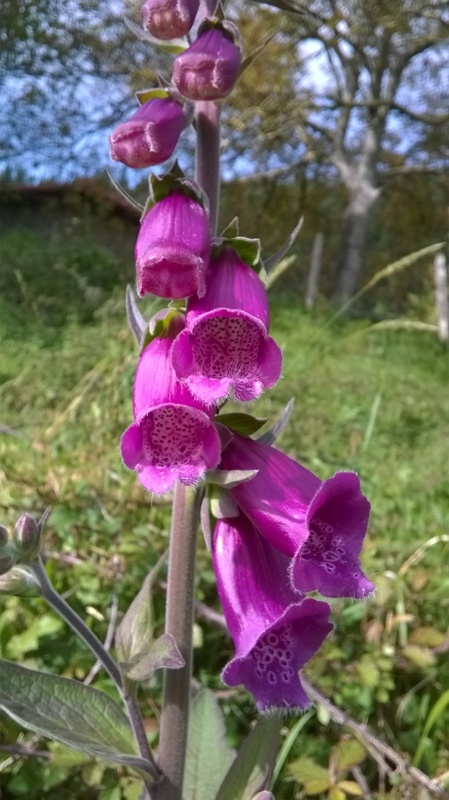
[[367, 398]]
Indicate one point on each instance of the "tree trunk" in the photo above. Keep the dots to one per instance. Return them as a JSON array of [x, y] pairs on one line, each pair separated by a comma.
[[351, 260], [314, 270]]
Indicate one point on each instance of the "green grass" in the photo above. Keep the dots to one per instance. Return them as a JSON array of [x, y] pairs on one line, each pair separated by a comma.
[[374, 401]]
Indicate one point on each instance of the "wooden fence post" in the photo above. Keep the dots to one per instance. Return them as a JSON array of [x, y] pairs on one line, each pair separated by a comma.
[[441, 297]]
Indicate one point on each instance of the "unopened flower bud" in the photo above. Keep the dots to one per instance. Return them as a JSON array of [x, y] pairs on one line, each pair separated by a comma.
[[26, 537], [209, 68], [150, 136], [173, 248], [20, 582], [168, 19]]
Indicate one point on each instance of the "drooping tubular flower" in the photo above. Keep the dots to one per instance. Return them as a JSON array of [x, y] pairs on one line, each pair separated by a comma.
[[150, 136], [209, 68], [275, 630], [321, 524], [169, 19], [225, 344], [173, 248], [173, 437]]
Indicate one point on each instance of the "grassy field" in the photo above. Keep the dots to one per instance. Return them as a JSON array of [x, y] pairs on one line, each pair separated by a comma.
[[367, 399]]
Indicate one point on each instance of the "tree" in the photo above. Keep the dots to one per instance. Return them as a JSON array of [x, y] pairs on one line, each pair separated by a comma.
[[65, 75], [378, 101]]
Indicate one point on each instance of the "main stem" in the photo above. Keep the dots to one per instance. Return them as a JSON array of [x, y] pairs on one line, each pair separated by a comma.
[[185, 521], [178, 622]]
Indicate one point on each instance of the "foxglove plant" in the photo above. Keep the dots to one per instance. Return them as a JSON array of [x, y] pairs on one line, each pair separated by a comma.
[[278, 530]]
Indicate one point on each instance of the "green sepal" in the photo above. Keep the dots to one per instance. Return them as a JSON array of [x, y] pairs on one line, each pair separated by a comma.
[[160, 326], [144, 95], [247, 249], [161, 186], [271, 262], [245, 424], [229, 478], [161, 653], [221, 504], [278, 426], [232, 230]]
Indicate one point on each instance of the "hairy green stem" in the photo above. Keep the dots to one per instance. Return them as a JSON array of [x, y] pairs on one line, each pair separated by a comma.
[[59, 605], [179, 622], [207, 118]]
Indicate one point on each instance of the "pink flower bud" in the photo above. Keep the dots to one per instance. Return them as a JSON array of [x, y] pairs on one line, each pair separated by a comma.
[[168, 19], [209, 68], [150, 136], [173, 248]]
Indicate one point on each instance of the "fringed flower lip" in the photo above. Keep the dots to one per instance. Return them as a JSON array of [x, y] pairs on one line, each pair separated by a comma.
[[320, 524]]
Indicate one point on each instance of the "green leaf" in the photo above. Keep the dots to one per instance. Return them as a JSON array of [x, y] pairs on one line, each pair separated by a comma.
[[144, 95], [306, 770], [69, 712], [336, 794], [162, 653], [368, 672], [64, 756], [287, 745], [347, 754], [208, 755], [427, 636], [245, 424], [252, 769], [422, 657], [231, 230], [316, 787], [434, 714], [136, 626], [351, 787]]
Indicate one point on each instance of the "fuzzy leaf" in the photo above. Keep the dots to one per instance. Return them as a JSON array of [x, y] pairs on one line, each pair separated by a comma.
[[231, 230], [270, 436], [270, 263], [306, 770], [69, 712], [351, 787], [347, 754], [137, 624], [245, 424], [253, 767], [208, 755], [163, 653]]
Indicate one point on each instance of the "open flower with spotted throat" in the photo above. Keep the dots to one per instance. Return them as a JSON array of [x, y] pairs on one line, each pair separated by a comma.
[[173, 437], [275, 630], [225, 344], [319, 524]]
